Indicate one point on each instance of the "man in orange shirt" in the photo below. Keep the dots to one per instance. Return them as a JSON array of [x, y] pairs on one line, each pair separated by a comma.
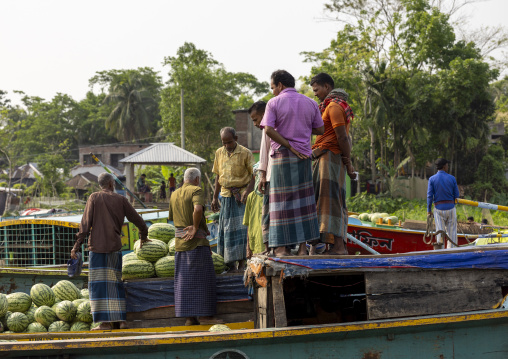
[[331, 153]]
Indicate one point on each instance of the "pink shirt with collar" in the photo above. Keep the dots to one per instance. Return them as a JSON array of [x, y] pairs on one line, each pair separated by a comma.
[[293, 116]]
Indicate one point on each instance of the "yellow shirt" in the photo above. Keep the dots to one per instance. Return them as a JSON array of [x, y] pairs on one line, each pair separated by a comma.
[[252, 218], [181, 211], [234, 170]]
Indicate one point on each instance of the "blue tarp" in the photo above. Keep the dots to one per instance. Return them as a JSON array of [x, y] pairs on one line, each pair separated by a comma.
[[490, 259], [149, 294]]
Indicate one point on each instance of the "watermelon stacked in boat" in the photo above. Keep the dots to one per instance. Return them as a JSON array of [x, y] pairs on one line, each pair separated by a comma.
[[161, 231], [43, 310]]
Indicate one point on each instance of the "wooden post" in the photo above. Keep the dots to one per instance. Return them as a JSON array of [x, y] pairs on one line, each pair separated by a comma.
[[262, 308], [279, 306]]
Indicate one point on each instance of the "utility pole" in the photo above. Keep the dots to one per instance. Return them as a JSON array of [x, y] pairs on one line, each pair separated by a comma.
[[182, 123]]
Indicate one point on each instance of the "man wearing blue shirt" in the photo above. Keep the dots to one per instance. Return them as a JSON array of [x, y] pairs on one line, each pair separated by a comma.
[[443, 191]]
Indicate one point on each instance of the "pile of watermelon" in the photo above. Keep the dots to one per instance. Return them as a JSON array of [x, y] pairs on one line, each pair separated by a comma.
[[60, 308], [156, 257]]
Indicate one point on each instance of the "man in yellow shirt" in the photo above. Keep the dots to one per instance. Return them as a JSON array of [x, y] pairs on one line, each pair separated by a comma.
[[195, 282], [233, 169]]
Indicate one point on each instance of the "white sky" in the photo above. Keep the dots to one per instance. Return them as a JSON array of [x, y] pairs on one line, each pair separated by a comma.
[[50, 46]]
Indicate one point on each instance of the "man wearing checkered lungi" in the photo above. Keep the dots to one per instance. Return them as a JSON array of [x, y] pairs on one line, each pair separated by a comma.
[[195, 285], [102, 222], [290, 120], [331, 154], [443, 191], [234, 181]]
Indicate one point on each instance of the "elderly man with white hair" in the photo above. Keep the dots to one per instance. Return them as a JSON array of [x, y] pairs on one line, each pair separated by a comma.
[[195, 284], [102, 222]]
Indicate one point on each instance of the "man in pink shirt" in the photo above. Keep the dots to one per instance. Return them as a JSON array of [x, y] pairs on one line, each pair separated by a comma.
[[290, 120]]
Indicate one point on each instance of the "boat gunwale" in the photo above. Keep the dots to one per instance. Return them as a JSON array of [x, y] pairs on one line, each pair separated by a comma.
[[252, 334]]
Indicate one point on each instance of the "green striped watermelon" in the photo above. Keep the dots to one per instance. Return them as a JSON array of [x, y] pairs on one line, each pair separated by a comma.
[[4, 319], [30, 314], [17, 322], [165, 267], [85, 294], [218, 263], [65, 310], [95, 325], [77, 302], [80, 327], [137, 269], [129, 256], [42, 294], [84, 313], [59, 326], [19, 302], [36, 328], [4, 304], [45, 315], [151, 251], [161, 231], [66, 290], [171, 247]]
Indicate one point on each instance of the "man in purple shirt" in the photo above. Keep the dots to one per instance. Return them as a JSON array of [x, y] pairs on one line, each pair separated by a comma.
[[442, 191], [290, 120]]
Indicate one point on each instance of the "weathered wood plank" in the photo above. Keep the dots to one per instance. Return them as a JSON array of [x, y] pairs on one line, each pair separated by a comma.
[[403, 281], [397, 305], [169, 312], [261, 309], [279, 306]]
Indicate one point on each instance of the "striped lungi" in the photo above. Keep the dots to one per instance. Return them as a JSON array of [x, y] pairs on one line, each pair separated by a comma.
[[329, 175], [195, 284], [446, 221], [107, 293], [265, 213], [232, 238], [293, 217]]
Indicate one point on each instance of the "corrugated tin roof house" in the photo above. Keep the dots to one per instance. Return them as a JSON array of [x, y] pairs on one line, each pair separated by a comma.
[[159, 154]]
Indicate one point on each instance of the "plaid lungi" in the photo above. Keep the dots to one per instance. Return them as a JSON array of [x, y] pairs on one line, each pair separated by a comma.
[[195, 285], [265, 213], [293, 217], [232, 237], [329, 175], [107, 294]]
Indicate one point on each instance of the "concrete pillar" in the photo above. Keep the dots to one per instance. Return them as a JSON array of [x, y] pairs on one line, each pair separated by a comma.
[[130, 181]]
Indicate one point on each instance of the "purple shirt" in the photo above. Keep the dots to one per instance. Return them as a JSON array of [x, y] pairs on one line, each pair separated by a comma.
[[293, 116]]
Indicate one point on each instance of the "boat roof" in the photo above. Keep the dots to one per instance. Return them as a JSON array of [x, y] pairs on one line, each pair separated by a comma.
[[74, 220]]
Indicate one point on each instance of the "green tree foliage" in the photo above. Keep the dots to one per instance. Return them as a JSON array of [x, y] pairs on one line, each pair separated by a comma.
[[133, 97], [415, 89], [490, 175], [210, 95]]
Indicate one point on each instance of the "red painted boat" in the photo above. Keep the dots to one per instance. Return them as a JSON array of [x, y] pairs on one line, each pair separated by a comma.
[[388, 239]]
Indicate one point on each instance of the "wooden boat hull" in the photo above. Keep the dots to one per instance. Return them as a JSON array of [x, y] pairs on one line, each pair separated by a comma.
[[21, 279], [387, 240], [464, 335]]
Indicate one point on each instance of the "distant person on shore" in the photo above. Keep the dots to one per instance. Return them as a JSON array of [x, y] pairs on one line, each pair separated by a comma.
[[195, 281], [443, 191], [171, 184], [485, 222], [144, 188], [162, 191], [102, 223], [332, 160]]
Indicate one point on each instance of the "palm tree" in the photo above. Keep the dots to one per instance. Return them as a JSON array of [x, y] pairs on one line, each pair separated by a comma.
[[129, 119]]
